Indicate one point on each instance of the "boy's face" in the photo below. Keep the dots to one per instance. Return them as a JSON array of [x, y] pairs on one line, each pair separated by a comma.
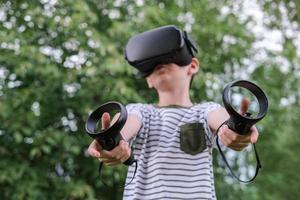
[[171, 76]]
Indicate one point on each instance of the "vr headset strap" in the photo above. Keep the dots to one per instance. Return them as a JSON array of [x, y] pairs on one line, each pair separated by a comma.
[[190, 44]]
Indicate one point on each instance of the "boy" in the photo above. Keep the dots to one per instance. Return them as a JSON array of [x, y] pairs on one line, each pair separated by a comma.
[[173, 140]]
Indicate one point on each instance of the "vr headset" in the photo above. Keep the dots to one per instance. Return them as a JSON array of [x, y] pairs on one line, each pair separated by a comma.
[[163, 45]]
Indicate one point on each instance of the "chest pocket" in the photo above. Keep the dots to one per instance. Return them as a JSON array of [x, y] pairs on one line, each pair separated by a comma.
[[192, 138]]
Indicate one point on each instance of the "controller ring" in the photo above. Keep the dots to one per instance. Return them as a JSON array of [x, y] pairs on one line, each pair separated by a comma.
[[109, 137], [239, 122]]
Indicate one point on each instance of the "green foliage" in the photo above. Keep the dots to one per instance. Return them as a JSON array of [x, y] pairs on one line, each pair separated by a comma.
[[61, 59]]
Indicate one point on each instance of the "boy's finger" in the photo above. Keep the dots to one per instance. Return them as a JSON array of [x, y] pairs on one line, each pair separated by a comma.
[[233, 136], [105, 119], [112, 163], [244, 106], [106, 154], [94, 149], [254, 135], [106, 160]]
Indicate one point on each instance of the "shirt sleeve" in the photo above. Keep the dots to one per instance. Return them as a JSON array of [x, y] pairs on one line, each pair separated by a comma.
[[208, 107], [137, 110]]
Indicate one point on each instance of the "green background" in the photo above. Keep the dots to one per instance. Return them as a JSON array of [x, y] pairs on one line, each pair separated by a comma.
[[60, 59]]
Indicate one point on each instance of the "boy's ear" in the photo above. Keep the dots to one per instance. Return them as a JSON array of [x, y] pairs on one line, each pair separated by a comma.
[[194, 66], [149, 82]]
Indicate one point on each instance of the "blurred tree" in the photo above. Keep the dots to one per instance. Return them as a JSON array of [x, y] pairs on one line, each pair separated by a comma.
[[61, 59]]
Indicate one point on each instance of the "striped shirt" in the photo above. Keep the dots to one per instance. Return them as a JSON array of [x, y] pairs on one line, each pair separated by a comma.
[[165, 169]]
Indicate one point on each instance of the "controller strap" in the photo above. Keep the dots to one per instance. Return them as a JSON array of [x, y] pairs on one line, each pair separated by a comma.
[[104, 183], [258, 164]]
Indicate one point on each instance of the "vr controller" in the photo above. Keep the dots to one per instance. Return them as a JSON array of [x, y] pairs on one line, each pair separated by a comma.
[[166, 44], [108, 138], [242, 123]]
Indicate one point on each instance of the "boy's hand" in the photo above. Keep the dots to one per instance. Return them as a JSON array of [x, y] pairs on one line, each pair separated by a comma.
[[234, 140], [116, 156]]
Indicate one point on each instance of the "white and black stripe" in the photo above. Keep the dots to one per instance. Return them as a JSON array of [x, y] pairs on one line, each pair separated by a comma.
[[164, 170]]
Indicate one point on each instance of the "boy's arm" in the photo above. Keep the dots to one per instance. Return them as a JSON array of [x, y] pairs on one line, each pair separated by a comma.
[[121, 152], [228, 137], [131, 127], [216, 117]]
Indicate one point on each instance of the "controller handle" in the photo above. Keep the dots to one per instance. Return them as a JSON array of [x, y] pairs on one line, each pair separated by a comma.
[[242, 123]]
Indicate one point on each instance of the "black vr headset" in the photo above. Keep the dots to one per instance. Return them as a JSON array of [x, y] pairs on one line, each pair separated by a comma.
[[163, 45]]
